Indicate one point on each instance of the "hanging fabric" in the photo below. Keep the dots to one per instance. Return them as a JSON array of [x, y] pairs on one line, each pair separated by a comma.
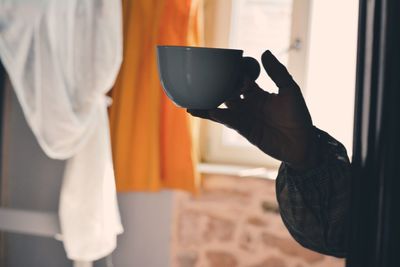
[[62, 57], [151, 138]]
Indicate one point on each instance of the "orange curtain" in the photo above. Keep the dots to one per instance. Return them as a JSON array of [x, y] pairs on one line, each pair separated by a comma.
[[151, 138]]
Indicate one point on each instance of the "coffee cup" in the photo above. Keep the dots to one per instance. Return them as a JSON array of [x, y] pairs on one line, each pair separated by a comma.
[[203, 78]]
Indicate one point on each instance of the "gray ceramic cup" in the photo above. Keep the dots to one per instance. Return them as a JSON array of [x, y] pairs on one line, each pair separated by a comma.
[[203, 78]]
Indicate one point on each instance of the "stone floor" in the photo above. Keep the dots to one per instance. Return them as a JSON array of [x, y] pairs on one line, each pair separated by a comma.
[[234, 222]]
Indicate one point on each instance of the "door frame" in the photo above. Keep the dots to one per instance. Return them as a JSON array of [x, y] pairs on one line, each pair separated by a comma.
[[374, 223]]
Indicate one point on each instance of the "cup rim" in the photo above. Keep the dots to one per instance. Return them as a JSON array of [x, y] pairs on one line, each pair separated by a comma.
[[200, 48]]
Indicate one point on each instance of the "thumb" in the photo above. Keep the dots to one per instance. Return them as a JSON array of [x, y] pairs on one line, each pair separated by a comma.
[[277, 71]]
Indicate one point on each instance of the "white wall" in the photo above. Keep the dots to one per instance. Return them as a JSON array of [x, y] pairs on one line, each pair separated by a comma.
[[147, 220], [330, 83], [33, 183]]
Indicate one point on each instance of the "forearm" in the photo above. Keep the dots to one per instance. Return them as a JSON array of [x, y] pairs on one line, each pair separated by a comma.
[[314, 204]]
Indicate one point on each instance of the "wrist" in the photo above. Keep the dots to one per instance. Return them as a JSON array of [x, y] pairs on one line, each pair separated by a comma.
[[312, 155]]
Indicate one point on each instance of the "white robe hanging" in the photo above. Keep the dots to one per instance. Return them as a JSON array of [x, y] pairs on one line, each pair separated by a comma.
[[62, 57]]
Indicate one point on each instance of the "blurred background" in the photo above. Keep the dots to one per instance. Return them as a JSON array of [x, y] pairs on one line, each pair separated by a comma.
[[191, 193]]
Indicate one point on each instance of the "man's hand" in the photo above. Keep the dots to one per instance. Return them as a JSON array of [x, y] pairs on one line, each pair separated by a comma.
[[278, 124]]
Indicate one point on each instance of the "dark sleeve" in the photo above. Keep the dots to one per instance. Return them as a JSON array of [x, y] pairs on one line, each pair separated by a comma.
[[314, 205]]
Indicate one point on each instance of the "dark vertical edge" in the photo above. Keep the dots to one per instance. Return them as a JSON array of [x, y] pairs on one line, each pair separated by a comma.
[[2, 97], [6, 109], [354, 233], [2, 94], [389, 141], [364, 209], [374, 236]]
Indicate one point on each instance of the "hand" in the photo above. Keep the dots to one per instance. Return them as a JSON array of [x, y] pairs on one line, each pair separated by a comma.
[[278, 124]]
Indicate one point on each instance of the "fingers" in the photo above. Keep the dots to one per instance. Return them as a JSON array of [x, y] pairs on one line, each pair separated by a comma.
[[251, 68], [277, 71], [200, 113], [224, 116], [236, 101], [255, 99], [251, 89], [233, 102]]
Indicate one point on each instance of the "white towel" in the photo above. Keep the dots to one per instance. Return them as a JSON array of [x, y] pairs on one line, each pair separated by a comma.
[[62, 58]]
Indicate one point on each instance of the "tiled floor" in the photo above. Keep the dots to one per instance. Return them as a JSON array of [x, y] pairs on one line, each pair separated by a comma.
[[234, 223]]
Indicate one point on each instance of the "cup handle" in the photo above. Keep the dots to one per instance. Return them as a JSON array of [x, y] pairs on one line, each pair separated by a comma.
[[251, 67]]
